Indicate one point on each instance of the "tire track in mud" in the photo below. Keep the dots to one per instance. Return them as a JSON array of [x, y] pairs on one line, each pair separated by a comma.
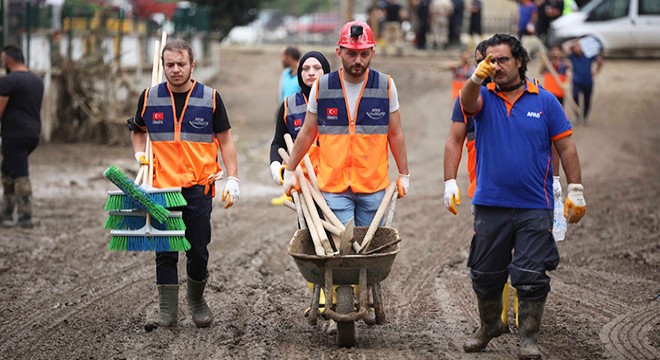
[[34, 326], [627, 335]]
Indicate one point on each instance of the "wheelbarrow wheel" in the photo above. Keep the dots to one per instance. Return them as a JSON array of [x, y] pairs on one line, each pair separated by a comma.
[[345, 329]]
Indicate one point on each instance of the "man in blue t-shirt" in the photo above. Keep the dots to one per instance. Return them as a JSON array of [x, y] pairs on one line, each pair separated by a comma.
[[516, 123], [289, 78], [583, 73]]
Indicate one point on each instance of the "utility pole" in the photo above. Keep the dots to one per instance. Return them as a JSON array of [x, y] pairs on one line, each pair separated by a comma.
[[347, 9]]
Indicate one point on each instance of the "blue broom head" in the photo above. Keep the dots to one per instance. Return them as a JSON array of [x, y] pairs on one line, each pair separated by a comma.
[[136, 194]]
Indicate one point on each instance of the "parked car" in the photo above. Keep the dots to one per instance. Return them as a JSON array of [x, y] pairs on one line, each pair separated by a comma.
[[316, 23], [619, 25]]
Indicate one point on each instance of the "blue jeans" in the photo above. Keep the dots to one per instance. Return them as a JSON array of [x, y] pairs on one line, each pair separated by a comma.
[[361, 207]]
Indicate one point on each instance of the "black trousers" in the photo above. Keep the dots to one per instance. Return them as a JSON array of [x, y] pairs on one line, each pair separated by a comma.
[[15, 152], [197, 217]]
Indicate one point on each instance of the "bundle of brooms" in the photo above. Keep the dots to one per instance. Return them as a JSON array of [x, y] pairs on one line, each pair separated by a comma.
[[138, 217]]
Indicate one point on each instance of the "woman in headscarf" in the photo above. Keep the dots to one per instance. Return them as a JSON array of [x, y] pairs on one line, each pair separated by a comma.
[[291, 114]]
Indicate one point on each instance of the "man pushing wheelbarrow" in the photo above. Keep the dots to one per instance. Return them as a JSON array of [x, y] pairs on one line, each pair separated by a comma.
[[354, 113]]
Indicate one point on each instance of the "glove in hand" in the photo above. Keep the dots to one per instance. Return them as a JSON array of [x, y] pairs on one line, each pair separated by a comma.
[[402, 184], [575, 205], [231, 192], [141, 158], [275, 172], [484, 70], [452, 196], [289, 182]]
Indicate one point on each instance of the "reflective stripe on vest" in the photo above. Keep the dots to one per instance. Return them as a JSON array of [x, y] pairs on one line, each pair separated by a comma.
[[294, 113], [353, 154], [185, 152]]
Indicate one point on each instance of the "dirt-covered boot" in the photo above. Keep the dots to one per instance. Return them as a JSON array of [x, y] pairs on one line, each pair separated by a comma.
[[529, 318], [201, 313], [8, 201], [168, 303], [24, 202], [491, 324]]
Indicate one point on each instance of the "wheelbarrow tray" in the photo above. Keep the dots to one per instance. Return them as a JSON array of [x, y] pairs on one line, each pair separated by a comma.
[[345, 268]]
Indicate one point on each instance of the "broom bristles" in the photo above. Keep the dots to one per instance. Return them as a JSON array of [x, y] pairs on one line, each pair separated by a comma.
[[147, 243], [137, 194]]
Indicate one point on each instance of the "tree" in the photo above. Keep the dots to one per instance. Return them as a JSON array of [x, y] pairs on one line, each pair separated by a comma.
[[227, 14]]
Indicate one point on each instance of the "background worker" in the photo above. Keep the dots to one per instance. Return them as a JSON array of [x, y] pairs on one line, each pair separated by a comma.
[[354, 111], [392, 32], [290, 118], [21, 94], [291, 115], [584, 73], [289, 78], [185, 145], [516, 123], [461, 72]]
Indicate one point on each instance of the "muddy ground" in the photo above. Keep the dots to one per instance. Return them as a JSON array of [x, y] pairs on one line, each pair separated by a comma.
[[63, 295]]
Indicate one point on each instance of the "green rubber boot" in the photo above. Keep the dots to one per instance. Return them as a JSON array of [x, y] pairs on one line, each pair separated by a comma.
[[530, 323], [491, 325], [24, 202], [201, 313], [168, 303], [8, 201]]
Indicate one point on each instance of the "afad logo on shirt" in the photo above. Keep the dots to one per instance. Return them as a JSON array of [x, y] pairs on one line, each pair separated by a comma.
[[376, 113], [199, 123], [157, 118], [534, 114], [332, 113]]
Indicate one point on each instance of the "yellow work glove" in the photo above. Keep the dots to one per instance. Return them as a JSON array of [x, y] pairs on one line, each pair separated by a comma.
[[484, 70], [452, 196], [141, 158], [575, 204], [231, 192]]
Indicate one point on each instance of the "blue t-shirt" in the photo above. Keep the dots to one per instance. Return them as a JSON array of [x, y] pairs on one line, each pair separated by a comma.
[[458, 116], [514, 149], [582, 69], [288, 84], [525, 13]]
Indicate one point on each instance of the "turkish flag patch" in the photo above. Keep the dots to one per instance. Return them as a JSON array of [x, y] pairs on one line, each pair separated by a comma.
[[297, 122], [332, 112], [157, 116]]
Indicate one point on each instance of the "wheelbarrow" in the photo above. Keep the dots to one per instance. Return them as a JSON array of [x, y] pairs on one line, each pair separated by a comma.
[[366, 270]]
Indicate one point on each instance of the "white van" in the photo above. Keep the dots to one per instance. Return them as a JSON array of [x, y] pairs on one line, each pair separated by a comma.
[[619, 25]]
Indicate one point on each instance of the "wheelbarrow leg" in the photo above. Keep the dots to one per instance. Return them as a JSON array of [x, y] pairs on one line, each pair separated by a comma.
[[314, 306], [378, 305]]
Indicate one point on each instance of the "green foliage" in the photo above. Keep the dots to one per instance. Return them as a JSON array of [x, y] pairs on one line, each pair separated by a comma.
[[226, 14], [300, 7], [78, 8]]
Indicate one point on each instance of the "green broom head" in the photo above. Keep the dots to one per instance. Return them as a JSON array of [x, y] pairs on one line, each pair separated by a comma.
[[135, 193], [148, 238], [136, 219], [169, 198], [149, 243]]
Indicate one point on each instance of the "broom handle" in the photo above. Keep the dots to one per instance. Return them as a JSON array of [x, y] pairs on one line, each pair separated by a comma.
[[156, 76]]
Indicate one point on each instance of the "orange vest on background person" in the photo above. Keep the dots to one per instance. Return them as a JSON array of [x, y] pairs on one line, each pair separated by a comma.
[[461, 74], [295, 109], [353, 151], [550, 84], [185, 149]]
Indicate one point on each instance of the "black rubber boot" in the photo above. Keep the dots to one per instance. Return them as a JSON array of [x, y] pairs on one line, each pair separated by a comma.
[[168, 303], [490, 311], [8, 201], [24, 202], [201, 313], [529, 318]]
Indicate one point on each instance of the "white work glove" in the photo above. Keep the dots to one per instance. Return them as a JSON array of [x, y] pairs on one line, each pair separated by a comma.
[[141, 158], [484, 70], [218, 176], [452, 196], [575, 204], [556, 187], [402, 184], [276, 172], [289, 182], [231, 192]]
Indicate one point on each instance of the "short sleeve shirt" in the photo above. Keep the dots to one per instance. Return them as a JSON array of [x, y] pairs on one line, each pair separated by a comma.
[[514, 148], [22, 115]]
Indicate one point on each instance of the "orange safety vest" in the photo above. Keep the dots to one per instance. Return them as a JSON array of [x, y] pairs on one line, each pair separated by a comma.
[[295, 109], [353, 150], [185, 149]]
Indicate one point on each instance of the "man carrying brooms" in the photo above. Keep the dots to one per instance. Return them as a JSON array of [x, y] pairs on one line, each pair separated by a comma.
[[187, 123]]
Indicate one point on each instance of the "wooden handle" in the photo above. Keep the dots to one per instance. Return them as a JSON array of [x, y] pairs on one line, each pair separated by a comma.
[[318, 248], [379, 215], [306, 161]]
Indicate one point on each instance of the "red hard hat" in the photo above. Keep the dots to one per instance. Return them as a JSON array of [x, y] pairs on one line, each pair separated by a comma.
[[362, 37]]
